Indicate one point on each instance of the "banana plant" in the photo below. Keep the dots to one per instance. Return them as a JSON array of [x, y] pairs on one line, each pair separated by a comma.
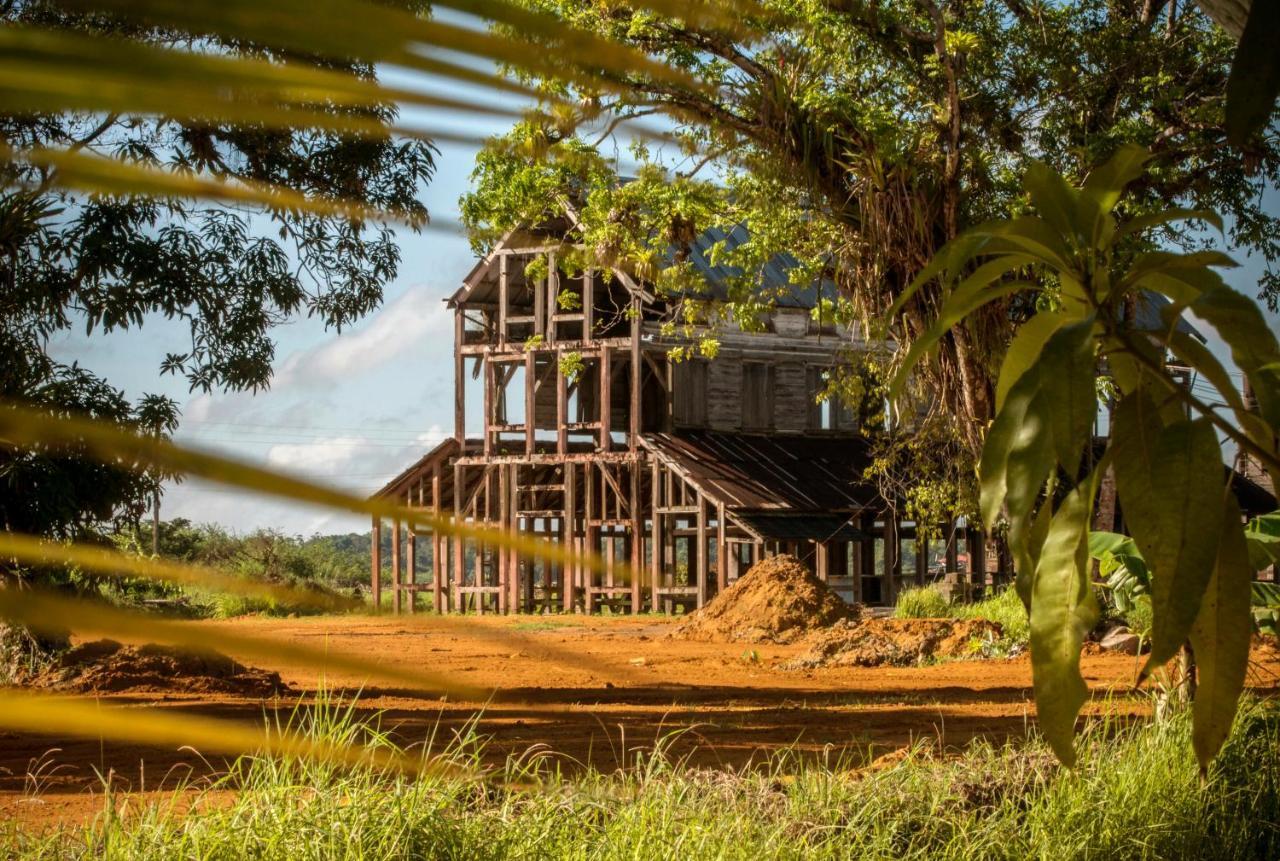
[[1038, 474], [1128, 577]]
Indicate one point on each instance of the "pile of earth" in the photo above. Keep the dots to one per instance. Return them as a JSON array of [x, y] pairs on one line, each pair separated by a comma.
[[894, 642], [105, 666], [777, 601]]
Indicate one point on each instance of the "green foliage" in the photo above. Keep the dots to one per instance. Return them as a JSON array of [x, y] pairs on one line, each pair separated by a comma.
[[1134, 795], [923, 602], [1037, 473], [571, 365]]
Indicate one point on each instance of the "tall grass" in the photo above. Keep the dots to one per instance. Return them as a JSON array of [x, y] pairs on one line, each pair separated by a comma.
[[1004, 607], [1135, 794]]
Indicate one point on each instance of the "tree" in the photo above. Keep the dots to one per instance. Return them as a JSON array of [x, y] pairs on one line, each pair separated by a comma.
[[863, 136], [106, 261]]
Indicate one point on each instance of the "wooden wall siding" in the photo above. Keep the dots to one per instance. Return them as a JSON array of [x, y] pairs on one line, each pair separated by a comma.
[[791, 322], [724, 395], [757, 396], [791, 397], [689, 407]]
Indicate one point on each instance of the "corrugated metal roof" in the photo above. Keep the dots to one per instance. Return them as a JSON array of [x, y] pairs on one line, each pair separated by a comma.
[[774, 280], [799, 526], [748, 472]]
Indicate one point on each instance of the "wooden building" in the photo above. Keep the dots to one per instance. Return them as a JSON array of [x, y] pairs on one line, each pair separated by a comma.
[[683, 473]]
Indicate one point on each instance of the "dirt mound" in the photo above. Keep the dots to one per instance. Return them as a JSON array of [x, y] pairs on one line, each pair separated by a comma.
[[895, 642], [105, 666], [777, 601]]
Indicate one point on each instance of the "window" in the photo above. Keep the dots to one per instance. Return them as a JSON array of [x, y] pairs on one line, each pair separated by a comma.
[[757, 396], [689, 404]]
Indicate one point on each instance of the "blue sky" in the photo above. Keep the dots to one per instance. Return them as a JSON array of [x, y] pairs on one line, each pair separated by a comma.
[[350, 409]]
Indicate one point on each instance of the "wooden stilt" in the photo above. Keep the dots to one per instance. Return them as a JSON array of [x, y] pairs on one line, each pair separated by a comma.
[[722, 552], [375, 574], [459, 557], [702, 550], [437, 566], [637, 541], [395, 567]]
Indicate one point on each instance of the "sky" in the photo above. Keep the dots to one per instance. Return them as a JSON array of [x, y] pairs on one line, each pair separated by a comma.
[[351, 409]]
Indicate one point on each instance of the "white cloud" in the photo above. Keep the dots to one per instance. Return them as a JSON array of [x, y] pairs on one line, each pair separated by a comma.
[[415, 316]]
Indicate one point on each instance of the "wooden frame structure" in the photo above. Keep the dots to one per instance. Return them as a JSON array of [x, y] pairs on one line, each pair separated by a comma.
[[678, 475]]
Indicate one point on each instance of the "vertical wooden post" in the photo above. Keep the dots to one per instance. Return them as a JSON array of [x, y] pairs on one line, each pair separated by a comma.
[[503, 300], [922, 558], [655, 533], [722, 552], [606, 402], [562, 409], [590, 544], [553, 296], [411, 570], [637, 542], [540, 306], [977, 558], [633, 431], [822, 561], [504, 558], [375, 558], [489, 379], [530, 402], [511, 502], [702, 550], [459, 382], [459, 556], [395, 567], [437, 566], [588, 305], [570, 535]]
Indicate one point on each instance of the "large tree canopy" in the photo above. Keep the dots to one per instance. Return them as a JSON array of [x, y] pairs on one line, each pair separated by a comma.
[[108, 262], [864, 135]]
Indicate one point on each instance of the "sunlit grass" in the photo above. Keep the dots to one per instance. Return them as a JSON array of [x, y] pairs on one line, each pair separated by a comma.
[[1136, 794]]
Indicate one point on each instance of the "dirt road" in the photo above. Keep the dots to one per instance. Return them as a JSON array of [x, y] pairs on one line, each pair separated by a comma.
[[590, 689]]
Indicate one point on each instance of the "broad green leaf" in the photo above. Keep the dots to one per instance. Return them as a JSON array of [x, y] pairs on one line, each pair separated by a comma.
[[1063, 611], [1239, 321], [1102, 543], [1170, 482], [1012, 430], [1025, 349], [1220, 639], [1146, 222], [1067, 373], [1026, 542], [1254, 83], [1056, 202], [1193, 271], [1108, 181], [957, 307], [1262, 535]]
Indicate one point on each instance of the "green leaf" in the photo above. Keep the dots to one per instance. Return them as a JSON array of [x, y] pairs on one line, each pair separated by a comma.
[[1056, 201], [1103, 543], [1239, 321], [1170, 482], [1063, 611], [1220, 638], [1157, 219], [1025, 350], [1254, 82], [957, 307], [1108, 181], [1067, 372], [1262, 535]]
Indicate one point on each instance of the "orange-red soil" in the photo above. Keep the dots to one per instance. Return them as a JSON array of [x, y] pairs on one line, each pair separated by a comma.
[[592, 689]]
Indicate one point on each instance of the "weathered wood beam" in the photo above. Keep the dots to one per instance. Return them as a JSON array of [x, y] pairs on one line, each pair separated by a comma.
[[702, 550], [375, 574], [606, 400], [637, 542], [395, 567], [722, 547], [633, 432], [459, 485], [504, 299], [437, 568], [459, 383], [530, 403]]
